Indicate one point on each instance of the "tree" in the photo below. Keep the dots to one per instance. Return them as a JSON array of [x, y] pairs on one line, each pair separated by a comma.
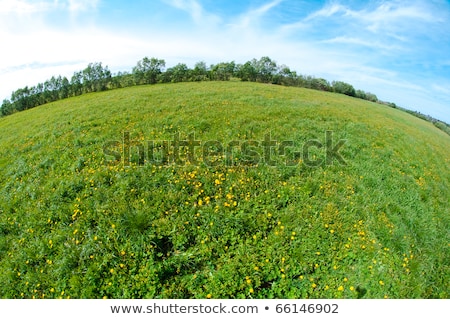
[[20, 99], [366, 96], [64, 91], [285, 76], [223, 71], [247, 72], [179, 73], [147, 70], [361, 94], [95, 78], [122, 80], [320, 84], [343, 88], [200, 72], [371, 97], [6, 108], [265, 69], [76, 83]]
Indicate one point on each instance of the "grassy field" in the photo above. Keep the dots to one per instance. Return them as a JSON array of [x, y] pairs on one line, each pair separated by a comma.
[[74, 223]]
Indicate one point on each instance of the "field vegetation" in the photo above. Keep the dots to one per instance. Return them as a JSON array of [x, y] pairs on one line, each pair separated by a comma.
[[79, 220]]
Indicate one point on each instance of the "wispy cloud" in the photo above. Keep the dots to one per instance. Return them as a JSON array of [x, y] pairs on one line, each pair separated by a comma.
[[395, 16], [327, 11], [253, 16], [82, 5], [385, 17], [195, 10], [378, 45], [444, 89], [22, 7]]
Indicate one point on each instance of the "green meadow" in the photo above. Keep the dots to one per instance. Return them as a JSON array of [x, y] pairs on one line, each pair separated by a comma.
[[80, 220]]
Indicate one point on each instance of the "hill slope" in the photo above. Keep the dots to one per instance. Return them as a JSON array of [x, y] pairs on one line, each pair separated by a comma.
[[74, 222]]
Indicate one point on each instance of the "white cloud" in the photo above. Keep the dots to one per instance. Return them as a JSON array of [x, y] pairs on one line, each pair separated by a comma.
[[23, 7], [386, 17], [82, 5], [385, 46], [196, 11], [252, 17], [443, 89], [327, 11]]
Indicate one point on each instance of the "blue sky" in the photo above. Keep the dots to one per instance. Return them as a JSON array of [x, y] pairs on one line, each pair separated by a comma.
[[399, 50]]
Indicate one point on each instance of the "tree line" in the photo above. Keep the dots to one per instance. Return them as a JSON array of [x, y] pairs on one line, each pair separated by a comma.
[[96, 77]]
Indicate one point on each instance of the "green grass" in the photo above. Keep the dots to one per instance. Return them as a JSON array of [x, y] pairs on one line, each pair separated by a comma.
[[74, 224]]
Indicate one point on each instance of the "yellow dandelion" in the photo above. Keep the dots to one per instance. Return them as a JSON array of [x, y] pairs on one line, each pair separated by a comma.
[[251, 290], [208, 296], [341, 288], [381, 282], [313, 285], [352, 288]]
